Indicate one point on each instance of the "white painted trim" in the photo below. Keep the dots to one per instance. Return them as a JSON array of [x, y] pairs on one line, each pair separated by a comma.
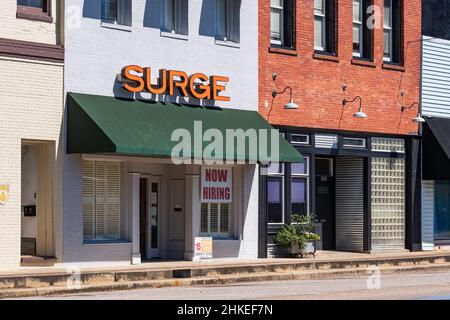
[[174, 35], [230, 44], [115, 26]]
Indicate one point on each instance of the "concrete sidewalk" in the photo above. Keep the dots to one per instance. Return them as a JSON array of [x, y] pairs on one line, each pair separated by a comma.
[[321, 256], [50, 281]]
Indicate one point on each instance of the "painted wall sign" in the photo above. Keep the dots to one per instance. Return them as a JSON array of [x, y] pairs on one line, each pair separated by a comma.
[[216, 185], [203, 248], [197, 85], [4, 194]]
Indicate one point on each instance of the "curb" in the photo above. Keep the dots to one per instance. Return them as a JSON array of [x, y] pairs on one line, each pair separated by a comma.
[[210, 281]]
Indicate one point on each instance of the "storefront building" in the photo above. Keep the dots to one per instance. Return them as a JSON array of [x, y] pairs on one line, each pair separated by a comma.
[[125, 199], [436, 130], [336, 85], [31, 61]]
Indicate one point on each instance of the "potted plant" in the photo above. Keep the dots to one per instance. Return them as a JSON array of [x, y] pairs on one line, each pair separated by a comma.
[[288, 237], [299, 235]]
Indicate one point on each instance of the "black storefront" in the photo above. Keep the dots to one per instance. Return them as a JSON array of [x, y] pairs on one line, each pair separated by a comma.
[[363, 189]]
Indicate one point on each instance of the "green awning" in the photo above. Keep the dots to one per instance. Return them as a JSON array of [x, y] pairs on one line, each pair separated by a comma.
[[107, 125]]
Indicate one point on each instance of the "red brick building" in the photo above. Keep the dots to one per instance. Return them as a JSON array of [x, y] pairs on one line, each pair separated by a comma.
[[360, 175]]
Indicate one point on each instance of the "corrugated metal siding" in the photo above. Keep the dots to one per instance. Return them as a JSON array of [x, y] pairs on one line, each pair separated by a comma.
[[427, 215], [436, 77], [349, 204], [326, 141]]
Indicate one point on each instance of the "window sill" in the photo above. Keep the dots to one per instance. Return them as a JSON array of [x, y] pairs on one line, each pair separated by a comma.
[[394, 67], [286, 51], [227, 44], [325, 57], [106, 243], [33, 14], [172, 35], [364, 63], [115, 26]]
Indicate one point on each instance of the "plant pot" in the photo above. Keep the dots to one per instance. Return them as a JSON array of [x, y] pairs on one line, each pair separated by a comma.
[[310, 249], [294, 249]]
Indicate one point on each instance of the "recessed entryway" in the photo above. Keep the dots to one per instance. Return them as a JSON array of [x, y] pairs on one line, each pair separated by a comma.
[[37, 216]]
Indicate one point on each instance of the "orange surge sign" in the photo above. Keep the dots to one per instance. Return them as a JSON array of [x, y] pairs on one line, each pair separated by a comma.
[[198, 85]]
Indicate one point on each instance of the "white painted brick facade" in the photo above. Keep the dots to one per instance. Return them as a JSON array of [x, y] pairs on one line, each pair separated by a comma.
[[31, 108], [26, 30], [94, 56]]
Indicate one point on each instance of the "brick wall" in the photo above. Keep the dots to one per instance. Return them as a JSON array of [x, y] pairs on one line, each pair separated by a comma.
[[24, 29], [317, 84], [31, 108]]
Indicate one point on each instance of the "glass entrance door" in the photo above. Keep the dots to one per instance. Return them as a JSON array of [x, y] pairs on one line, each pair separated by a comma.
[[442, 211], [154, 218]]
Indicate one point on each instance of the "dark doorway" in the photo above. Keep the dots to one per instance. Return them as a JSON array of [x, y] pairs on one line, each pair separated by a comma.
[[325, 201], [143, 202]]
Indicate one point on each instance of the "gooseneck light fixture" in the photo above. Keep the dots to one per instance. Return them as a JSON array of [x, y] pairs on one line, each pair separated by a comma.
[[360, 114], [291, 105], [419, 118]]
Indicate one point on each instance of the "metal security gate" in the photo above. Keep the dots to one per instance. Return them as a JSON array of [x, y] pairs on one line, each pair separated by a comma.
[[350, 204]]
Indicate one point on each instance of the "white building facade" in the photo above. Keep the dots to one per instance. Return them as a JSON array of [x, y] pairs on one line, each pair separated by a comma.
[[127, 206], [31, 103]]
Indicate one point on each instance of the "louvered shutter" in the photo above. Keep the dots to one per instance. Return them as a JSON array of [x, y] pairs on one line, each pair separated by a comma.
[[88, 199], [224, 218], [214, 218], [113, 200], [100, 200], [204, 221]]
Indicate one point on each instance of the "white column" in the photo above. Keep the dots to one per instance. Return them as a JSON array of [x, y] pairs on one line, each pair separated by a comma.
[[192, 222], [133, 182]]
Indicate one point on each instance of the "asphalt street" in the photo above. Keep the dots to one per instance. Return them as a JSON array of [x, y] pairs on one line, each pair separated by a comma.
[[422, 286]]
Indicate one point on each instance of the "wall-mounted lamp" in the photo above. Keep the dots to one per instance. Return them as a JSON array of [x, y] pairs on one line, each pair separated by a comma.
[[360, 114], [291, 105], [419, 118]]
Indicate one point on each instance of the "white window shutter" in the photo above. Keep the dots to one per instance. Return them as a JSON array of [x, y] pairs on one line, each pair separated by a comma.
[[204, 221], [113, 187], [88, 199], [100, 197], [224, 218], [214, 218]]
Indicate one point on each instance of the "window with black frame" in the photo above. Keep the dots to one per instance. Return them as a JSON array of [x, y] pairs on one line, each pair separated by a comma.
[[325, 26], [392, 28], [299, 187], [275, 193], [362, 29], [282, 23]]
